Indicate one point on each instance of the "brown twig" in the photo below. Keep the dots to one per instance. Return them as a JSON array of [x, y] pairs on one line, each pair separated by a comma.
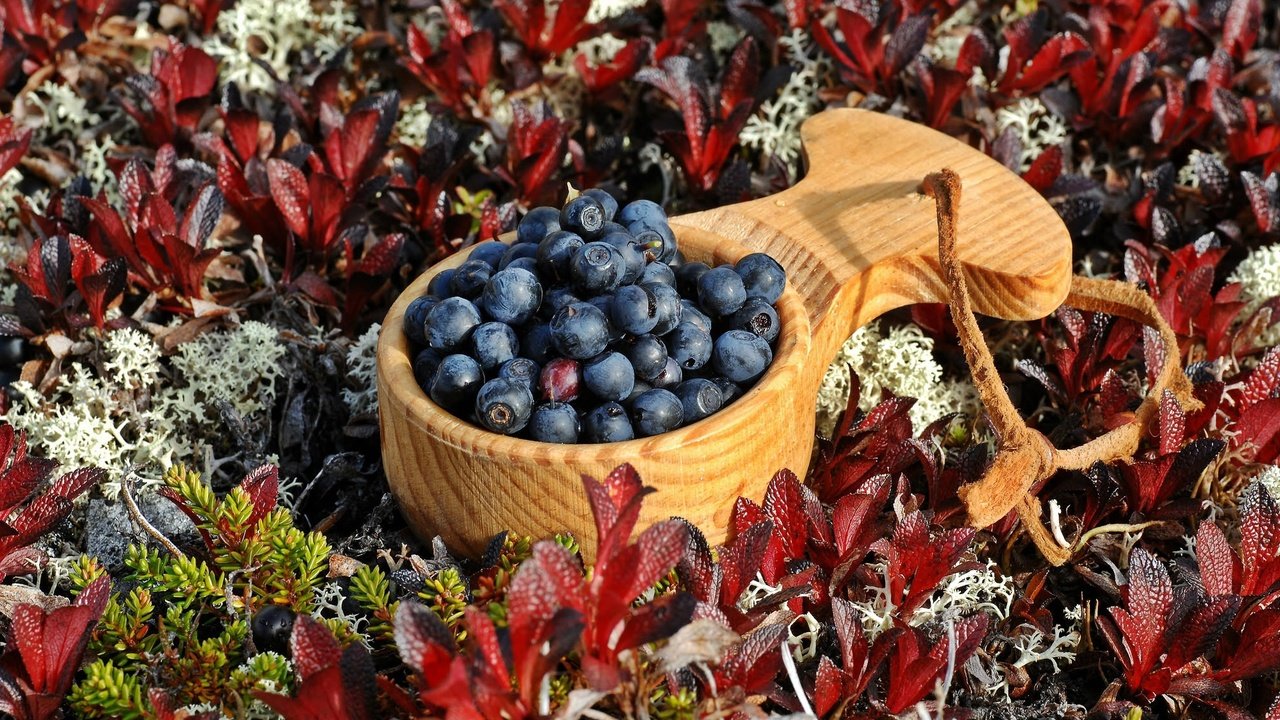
[[126, 489], [1024, 457]]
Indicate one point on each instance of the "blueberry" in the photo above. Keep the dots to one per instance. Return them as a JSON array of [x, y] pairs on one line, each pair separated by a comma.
[[607, 423], [527, 264], [517, 251], [536, 343], [687, 277], [699, 397], [457, 380], [504, 406], [758, 316], [560, 380], [720, 292], [521, 369], [580, 331], [762, 277], [656, 412], [612, 227], [557, 298], [648, 356], [741, 356], [656, 241], [670, 376], [470, 278], [555, 422], [634, 309], [636, 391], [690, 313], [424, 367], [512, 295], [537, 224], [631, 256], [609, 376], [555, 252], [689, 345], [669, 308], [603, 302], [272, 629], [441, 284], [607, 202], [450, 323], [729, 389], [658, 272], [583, 215], [641, 210], [415, 319], [493, 343], [597, 267], [489, 252]]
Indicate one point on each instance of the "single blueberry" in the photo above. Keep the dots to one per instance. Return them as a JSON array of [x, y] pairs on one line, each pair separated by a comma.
[[689, 345], [493, 343], [555, 422], [656, 412], [669, 308], [504, 405], [634, 309], [741, 356], [521, 369], [555, 252], [469, 279], [609, 376], [687, 277], [607, 423], [512, 295], [720, 292], [597, 267], [450, 323], [580, 331], [415, 318], [607, 202], [536, 343], [537, 224], [699, 397], [489, 252], [457, 380], [441, 284], [517, 251], [658, 272], [648, 356], [583, 215], [758, 316], [762, 277]]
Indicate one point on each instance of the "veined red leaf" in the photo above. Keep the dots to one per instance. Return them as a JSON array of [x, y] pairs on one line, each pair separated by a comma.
[[289, 190]]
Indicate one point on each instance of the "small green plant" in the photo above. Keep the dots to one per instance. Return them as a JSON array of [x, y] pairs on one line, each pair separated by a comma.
[[186, 625]]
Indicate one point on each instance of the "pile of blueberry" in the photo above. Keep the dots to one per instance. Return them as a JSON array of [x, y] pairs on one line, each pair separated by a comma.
[[592, 327]]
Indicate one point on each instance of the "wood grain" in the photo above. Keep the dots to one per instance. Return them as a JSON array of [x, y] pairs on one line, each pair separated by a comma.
[[857, 240]]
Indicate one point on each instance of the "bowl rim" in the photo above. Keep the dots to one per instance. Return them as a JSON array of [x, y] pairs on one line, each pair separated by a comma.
[[395, 375]]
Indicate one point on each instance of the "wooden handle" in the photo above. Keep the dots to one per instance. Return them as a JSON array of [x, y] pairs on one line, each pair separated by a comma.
[[858, 239]]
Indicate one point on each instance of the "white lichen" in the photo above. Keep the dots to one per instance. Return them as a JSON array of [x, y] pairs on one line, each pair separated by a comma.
[[141, 414], [602, 10], [329, 603], [1259, 278], [774, 129], [1270, 479], [723, 37], [902, 362], [411, 127], [64, 111], [963, 593], [362, 370], [274, 31], [1033, 123]]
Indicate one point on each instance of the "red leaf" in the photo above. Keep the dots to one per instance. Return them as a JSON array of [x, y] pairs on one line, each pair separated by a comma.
[[1142, 620], [289, 190], [262, 485], [1259, 541], [1218, 564], [1045, 169]]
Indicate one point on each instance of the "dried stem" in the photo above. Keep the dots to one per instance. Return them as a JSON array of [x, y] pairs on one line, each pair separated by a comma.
[[126, 489]]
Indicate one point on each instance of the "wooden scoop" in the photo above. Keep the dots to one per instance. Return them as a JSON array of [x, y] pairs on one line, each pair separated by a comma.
[[857, 239]]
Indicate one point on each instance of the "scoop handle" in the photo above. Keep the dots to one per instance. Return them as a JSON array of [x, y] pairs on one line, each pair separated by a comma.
[[858, 238]]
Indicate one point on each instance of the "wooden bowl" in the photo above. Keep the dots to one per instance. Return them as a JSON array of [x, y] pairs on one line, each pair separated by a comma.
[[857, 240]]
